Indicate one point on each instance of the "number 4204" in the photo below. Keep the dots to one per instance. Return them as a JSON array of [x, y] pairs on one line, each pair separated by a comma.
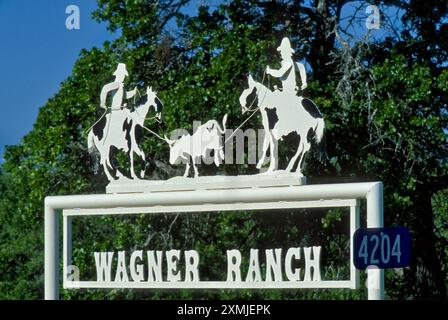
[[381, 247]]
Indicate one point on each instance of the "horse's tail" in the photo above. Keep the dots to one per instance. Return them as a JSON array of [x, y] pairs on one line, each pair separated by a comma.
[[320, 139], [224, 121], [93, 151], [90, 143], [319, 130]]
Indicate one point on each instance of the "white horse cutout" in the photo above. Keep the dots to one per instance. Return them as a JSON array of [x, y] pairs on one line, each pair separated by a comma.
[[281, 115], [121, 128]]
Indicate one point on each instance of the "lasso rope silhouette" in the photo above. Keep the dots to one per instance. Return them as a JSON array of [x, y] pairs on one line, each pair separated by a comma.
[[250, 106], [155, 117]]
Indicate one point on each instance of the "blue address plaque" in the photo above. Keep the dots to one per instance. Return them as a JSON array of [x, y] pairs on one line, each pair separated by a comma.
[[383, 248]]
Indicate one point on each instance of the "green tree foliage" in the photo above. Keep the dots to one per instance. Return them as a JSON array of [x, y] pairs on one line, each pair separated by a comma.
[[385, 108]]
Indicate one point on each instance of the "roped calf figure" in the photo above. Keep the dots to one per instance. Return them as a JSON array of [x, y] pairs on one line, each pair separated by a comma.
[[206, 137]]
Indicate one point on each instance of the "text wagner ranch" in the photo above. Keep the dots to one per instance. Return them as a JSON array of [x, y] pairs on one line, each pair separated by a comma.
[[293, 264]]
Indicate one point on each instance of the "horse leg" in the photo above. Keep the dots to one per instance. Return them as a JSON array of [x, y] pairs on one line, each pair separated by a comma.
[[196, 173], [265, 142], [109, 176], [294, 158], [264, 150], [142, 155], [131, 157], [306, 148], [105, 163], [118, 173], [109, 164], [187, 168], [274, 154], [218, 155], [135, 148]]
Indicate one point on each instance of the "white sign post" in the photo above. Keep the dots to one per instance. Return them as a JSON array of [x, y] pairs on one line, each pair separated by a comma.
[[305, 196]]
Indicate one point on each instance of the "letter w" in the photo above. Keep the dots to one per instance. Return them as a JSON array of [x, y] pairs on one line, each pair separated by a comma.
[[103, 262]]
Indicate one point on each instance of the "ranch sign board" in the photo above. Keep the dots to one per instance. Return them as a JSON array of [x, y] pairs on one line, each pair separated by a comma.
[[283, 110]]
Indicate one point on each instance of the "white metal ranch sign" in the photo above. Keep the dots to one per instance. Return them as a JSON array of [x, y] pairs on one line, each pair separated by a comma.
[[283, 111]]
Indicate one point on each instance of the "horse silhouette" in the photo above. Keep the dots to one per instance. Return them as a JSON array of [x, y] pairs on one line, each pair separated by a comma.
[[281, 115], [121, 128]]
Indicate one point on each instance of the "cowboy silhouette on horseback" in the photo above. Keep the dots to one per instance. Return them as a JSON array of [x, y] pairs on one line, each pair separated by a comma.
[[121, 128], [118, 86], [283, 112], [287, 73]]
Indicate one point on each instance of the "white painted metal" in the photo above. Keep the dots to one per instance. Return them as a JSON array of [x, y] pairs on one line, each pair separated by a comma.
[[208, 136], [375, 207], [175, 198], [66, 246], [51, 268], [278, 178], [370, 191], [117, 126], [354, 225], [213, 207], [353, 283], [294, 113], [213, 285]]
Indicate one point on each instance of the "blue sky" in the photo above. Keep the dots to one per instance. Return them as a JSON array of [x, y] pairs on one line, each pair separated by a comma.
[[37, 52]]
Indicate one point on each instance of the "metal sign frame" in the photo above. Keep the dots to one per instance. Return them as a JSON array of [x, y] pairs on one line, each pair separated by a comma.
[[352, 283], [305, 196]]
